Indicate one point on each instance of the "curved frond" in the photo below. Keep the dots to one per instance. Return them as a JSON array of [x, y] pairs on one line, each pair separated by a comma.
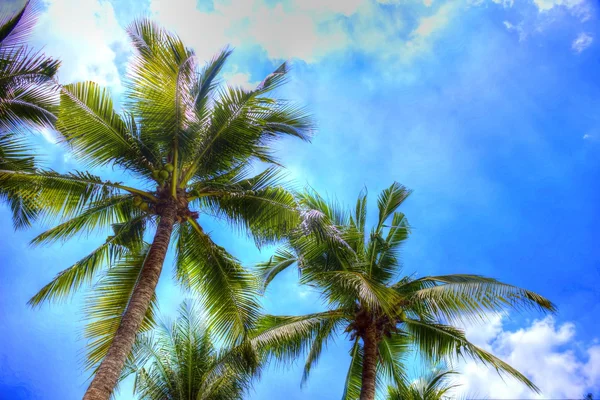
[[60, 196], [389, 200], [438, 341], [227, 291], [160, 86], [264, 210], [83, 271], [96, 133], [281, 260], [353, 382], [456, 297], [287, 337], [108, 301], [104, 213]]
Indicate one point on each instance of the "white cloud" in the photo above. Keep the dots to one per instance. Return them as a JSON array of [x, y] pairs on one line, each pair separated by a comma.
[[582, 42], [579, 8], [505, 3], [305, 31], [86, 36], [546, 353], [420, 37]]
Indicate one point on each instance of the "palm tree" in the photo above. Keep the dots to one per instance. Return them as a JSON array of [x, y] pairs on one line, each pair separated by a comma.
[[357, 274], [187, 145], [27, 94], [433, 385], [179, 361]]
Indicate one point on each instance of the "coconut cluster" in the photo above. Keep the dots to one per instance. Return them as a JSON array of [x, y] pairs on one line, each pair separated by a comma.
[[161, 175]]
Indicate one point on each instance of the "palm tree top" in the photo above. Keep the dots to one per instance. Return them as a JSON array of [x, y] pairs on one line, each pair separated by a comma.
[[359, 275], [179, 360], [191, 145]]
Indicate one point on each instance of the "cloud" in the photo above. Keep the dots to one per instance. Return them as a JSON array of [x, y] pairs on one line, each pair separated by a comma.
[[579, 8], [86, 36], [545, 352], [304, 30], [582, 42]]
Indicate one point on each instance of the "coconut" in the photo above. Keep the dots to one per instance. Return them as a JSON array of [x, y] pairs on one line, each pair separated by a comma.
[[169, 168], [137, 200], [163, 174]]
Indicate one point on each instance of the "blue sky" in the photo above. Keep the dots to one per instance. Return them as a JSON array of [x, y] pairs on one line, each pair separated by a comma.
[[487, 109]]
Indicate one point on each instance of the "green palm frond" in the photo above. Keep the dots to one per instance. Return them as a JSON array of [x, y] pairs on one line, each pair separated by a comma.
[[61, 196], [96, 134], [100, 214], [456, 297], [160, 83], [15, 154], [228, 292], [27, 93], [287, 337], [180, 361], [114, 249], [107, 302], [281, 260], [349, 287], [393, 352], [242, 123], [389, 200], [353, 382], [207, 83], [258, 205], [438, 341], [434, 385]]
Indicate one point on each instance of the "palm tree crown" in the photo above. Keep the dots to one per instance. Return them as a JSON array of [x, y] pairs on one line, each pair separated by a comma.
[[435, 384], [190, 145], [179, 361], [358, 274]]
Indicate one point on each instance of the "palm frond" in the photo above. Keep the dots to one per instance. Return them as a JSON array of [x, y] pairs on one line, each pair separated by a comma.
[[438, 341], [15, 154], [353, 383], [456, 297], [100, 214], [71, 279], [226, 290], [14, 29], [287, 337], [160, 85], [281, 260], [95, 132], [108, 301], [389, 200], [257, 205]]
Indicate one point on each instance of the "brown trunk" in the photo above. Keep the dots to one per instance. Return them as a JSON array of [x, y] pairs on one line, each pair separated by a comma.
[[109, 371], [369, 366]]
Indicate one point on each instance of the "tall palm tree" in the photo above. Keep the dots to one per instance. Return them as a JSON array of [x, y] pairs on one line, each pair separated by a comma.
[[358, 274], [188, 146], [27, 94], [179, 362], [435, 384]]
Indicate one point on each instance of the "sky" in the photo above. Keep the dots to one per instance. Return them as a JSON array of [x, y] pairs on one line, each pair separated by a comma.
[[487, 109]]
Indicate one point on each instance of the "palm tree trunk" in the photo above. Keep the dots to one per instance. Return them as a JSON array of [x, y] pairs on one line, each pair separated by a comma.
[[369, 366], [108, 373]]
